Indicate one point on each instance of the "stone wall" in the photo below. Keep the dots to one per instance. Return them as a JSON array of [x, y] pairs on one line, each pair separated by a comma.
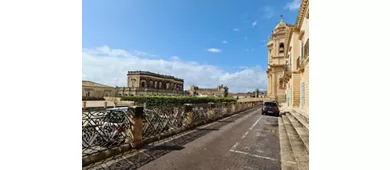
[[93, 89], [125, 91], [220, 91]]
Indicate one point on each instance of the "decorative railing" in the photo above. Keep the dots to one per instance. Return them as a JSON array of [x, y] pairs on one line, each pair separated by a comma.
[[105, 129], [160, 120], [113, 131], [200, 113]]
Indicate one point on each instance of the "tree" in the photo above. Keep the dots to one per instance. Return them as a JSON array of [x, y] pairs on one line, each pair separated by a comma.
[[257, 92]]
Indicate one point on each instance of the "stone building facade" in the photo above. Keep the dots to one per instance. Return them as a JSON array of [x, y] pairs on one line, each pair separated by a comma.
[[296, 72], [148, 83], [92, 89], [220, 91], [277, 61]]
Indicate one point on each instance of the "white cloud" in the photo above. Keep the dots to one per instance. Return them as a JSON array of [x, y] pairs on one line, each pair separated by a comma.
[[224, 41], [293, 5], [236, 29], [175, 58], [108, 66], [144, 54], [254, 23], [246, 80], [214, 50], [268, 12]]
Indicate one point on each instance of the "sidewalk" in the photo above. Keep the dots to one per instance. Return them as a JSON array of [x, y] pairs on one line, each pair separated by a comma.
[[285, 108]]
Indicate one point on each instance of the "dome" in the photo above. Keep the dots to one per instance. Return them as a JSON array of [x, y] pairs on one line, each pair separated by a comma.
[[281, 24]]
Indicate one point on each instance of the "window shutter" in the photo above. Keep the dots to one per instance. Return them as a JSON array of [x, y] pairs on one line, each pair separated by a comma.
[[302, 51]]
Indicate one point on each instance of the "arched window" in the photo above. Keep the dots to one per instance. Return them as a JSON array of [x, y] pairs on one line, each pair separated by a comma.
[[155, 84], [167, 85], [150, 83], [88, 94], [281, 48], [160, 85], [132, 82], [143, 84]]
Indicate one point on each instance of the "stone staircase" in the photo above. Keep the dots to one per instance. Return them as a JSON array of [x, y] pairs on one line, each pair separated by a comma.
[[294, 140]]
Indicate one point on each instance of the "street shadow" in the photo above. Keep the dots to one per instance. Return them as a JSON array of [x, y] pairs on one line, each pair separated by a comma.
[[225, 121], [168, 148], [153, 152], [208, 129]]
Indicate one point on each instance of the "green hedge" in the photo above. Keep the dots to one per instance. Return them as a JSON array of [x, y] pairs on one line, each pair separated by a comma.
[[174, 100], [92, 98]]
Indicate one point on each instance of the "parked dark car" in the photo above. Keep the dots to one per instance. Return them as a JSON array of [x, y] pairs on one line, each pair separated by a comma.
[[270, 108]]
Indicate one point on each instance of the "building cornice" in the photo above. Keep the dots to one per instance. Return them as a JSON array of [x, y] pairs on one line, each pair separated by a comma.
[[301, 15], [288, 38], [295, 29], [276, 65], [301, 34]]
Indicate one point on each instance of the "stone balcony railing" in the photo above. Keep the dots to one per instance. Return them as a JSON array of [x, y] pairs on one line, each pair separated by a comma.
[[154, 74]]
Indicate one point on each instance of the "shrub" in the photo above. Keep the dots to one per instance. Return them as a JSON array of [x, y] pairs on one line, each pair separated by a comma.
[[152, 101], [90, 98]]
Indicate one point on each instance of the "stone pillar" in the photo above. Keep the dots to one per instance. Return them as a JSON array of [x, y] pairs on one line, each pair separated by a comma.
[[138, 124], [269, 85], [84, 104], [211, 110], [274, 84], [233, 107], [188, 112], [224, 109]]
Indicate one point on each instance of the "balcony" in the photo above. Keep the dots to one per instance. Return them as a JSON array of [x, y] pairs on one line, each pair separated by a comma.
[[300, 65], [287, 73]]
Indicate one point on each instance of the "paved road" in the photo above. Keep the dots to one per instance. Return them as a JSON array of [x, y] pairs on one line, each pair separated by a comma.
[[244, 141]]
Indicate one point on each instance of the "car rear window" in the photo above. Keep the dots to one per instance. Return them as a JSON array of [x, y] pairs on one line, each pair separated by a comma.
[[270, 104], [114, 117]]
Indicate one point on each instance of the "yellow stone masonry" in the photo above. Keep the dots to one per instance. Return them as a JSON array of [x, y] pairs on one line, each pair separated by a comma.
[[297, 63]]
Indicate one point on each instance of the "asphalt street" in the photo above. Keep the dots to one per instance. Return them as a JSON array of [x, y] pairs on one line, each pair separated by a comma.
[[246, 140]]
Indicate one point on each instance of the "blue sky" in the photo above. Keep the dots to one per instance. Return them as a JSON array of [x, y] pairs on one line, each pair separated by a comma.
[[224, 41]]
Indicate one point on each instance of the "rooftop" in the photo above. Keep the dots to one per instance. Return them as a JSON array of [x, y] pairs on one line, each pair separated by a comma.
[[93, 84]]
